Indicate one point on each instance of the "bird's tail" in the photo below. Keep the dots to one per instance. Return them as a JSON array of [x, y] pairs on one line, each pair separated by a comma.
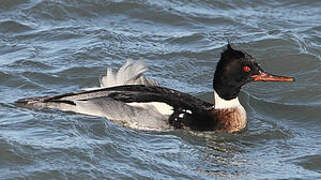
[[131, 73]]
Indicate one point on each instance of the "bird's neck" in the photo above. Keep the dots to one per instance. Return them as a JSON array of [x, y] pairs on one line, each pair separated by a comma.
[[221, 103], [230, 114]]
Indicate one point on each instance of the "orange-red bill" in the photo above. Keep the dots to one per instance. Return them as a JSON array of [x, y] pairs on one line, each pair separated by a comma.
[[263, 76]]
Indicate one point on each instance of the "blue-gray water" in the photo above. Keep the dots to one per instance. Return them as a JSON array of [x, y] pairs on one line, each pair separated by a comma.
[[58, 46]]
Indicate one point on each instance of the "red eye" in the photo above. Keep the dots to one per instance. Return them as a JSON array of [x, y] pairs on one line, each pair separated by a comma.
[[246, 69]]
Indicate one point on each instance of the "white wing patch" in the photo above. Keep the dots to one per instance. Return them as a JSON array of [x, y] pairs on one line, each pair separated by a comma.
[[188, 111], [162, 108], [184, 111], [181, 115]]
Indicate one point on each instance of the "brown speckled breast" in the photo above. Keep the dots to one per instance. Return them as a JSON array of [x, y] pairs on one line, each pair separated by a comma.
[[231, 119]]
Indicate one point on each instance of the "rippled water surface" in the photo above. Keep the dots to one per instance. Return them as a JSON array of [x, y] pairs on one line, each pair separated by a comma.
[[52, 47]]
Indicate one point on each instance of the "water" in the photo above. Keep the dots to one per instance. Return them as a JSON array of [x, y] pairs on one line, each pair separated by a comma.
[[52, 47]]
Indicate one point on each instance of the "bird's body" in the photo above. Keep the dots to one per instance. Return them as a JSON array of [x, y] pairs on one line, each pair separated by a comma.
[[131, 100]]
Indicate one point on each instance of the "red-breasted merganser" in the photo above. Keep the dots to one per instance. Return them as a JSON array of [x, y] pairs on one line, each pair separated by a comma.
[[132, 100]]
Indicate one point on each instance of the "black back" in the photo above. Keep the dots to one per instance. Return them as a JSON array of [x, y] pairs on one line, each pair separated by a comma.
[[189, 112]]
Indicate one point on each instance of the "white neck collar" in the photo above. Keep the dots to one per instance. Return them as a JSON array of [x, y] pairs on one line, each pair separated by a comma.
[[221, 103]]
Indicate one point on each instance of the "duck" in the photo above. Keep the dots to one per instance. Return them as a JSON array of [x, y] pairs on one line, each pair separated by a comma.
[[130, 99]]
